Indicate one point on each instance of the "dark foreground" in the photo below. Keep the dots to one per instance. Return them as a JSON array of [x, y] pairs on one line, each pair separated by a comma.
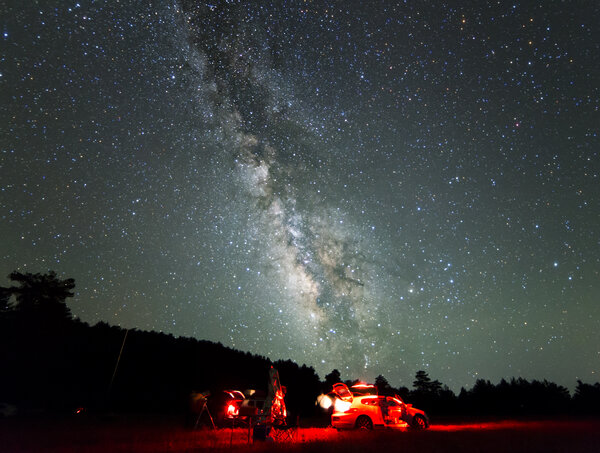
[[95, 435]]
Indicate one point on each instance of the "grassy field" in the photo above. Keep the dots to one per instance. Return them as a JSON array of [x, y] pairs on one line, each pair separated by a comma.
[[147, 434]]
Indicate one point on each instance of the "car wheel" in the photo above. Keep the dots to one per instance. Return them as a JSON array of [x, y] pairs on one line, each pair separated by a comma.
[[364, 422], [419, 422]]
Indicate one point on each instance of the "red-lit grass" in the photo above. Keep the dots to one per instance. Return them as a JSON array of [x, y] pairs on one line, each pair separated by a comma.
[[146, 435]]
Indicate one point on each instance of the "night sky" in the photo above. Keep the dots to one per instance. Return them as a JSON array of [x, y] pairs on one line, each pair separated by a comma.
[[379, 187]]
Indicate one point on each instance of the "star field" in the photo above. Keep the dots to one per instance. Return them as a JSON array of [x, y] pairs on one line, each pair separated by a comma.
[[377, 187]]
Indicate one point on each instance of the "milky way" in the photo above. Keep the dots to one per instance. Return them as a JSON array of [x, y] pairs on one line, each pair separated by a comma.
[[377, 187]]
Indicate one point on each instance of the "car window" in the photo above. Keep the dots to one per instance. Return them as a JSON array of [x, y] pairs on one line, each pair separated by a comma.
[[370, 401]]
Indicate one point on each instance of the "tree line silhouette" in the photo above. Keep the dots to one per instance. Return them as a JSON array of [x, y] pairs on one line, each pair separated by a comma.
[[52, 362]]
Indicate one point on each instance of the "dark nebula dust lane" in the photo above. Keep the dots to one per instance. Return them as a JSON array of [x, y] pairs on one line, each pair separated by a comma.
[[374, 187]]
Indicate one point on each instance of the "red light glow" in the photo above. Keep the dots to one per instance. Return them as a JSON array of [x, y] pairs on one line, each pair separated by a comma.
[[324, 401], [232, 410], [341, 406]]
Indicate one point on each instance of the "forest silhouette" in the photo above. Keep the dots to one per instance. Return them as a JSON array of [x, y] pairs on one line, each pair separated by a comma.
[[53, 363]]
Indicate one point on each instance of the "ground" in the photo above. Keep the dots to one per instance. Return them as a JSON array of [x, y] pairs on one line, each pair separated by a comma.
[[160, 434]]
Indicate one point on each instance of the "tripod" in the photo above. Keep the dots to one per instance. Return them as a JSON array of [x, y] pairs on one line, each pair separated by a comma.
[[204, 409]]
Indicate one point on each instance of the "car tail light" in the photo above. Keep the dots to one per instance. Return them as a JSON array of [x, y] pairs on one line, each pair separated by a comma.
[[232, 410], [341, 406]]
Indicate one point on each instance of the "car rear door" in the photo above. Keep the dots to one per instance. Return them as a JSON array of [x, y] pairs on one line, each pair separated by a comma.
[[341, 390]]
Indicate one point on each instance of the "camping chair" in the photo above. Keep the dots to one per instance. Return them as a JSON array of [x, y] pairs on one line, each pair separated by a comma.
[[284, 431]]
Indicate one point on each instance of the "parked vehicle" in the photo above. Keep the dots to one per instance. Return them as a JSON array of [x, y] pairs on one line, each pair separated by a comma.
[[235, 408], [360, 408], [254, 403], [225, 406]]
